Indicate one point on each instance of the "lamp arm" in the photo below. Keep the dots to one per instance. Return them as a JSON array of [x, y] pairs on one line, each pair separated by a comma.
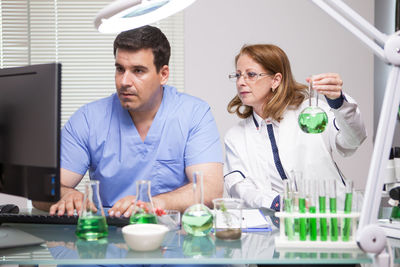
[[370, 237], [380, 154], [378, 50], [362, 23]]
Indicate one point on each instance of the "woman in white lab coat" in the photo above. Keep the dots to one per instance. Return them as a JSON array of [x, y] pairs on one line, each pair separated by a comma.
[[268, 146]]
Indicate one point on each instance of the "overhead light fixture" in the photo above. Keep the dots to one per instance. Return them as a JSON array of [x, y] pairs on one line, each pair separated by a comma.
[[122, 15]]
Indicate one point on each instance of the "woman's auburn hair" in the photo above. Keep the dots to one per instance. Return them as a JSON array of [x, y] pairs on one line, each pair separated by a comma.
[[289, 93]]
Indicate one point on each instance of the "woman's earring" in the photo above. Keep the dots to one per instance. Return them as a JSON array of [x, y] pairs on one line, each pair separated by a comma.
[[273, 90]]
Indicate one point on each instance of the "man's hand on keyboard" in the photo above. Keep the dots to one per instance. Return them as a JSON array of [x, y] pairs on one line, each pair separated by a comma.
[[122, 207], [71, 200]]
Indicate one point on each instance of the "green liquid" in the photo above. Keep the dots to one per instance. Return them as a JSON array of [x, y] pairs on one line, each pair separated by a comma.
[[313, 224], [312, 122], [289, 222], [142, 218], [296, 225], [347, 221], [334, 221], [92, 228], [197, 222], [303, 221], [323, 228], [395, 215]]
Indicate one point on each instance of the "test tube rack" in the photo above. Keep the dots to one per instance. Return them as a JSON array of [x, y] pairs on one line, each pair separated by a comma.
[[282, 241]]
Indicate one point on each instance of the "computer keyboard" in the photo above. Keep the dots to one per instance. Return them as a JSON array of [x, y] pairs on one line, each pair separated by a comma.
[[48, 219]]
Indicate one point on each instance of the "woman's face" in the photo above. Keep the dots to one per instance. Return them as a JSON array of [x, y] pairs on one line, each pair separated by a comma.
[[253, 93]]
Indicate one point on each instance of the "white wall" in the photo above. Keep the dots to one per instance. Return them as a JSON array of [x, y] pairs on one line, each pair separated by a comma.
[[385, 22], [216, 29]]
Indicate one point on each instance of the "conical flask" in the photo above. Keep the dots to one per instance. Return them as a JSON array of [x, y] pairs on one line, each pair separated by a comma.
[[197, 219], [143, 211], [92, 224]]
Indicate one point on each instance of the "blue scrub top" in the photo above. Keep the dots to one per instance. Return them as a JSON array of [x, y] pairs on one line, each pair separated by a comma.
[[102, 137]]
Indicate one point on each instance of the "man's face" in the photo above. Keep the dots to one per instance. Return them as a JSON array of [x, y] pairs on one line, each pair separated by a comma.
[[138, 84]]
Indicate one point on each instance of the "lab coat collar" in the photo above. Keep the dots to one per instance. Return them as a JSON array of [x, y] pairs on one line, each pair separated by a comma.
[[258, 121]]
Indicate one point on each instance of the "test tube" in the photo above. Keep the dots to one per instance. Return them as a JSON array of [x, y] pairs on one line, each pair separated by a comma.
[[288, 207], [322, 209], [295, 178], [332, 207], [347, 209], [302, 209], [312, 208]]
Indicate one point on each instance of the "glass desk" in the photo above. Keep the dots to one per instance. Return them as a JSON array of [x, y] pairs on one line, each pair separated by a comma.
[[62, 247]]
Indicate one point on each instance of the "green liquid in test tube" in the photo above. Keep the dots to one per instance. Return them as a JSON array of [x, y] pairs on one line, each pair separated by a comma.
[[302, 209], [289, 222], [288, 207], [332, 207], [347, 209], [334, 221], [395, 215], [303, 221], [312, 194], [322, 221], [296, 209], [313, 224], [323, 224]]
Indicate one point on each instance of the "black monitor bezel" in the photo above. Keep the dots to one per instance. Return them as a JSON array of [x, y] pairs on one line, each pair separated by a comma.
[[37, 183]]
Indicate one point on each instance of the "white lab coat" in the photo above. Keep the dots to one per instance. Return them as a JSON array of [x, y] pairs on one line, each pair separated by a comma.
[[310, 154]]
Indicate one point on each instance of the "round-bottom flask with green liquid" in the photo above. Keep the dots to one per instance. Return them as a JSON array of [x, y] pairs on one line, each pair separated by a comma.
[[197, 220], [313, 120]]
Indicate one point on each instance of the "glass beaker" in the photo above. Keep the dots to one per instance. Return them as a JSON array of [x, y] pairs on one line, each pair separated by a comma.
[[171, 219], [143, 210], [197, 219], [92, 224], [313, 119], [228, 218]]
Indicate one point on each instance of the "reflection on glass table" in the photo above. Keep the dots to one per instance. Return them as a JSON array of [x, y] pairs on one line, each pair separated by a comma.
[[62, 247], [198, 246]]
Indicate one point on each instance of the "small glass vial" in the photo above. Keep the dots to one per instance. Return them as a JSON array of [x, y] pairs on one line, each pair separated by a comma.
[[143, 211], [92, 224]]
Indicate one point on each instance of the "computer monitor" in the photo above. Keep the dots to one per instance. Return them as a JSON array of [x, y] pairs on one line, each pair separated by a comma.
[[30, 100]]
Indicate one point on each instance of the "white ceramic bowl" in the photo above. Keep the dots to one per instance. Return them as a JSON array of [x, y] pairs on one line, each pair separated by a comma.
[[144, 237]]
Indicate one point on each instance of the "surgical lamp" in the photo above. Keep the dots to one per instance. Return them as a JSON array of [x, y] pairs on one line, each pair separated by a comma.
[[122, 15]]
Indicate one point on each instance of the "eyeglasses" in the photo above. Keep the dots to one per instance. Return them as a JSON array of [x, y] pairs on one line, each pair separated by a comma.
[[248, 76]]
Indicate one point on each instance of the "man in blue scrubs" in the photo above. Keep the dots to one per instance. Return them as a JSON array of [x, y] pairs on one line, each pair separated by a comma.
[[146, 130]]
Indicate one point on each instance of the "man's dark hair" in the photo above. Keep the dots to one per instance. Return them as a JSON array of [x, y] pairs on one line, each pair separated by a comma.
[[143, 38]]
